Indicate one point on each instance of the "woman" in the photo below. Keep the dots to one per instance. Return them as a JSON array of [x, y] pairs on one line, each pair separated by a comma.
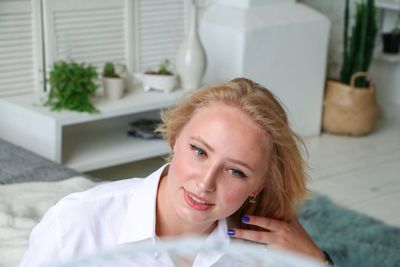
[[234, 161]]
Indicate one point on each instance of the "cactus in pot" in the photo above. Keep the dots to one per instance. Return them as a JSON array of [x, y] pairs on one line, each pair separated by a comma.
[[113, 83], [359, 47]]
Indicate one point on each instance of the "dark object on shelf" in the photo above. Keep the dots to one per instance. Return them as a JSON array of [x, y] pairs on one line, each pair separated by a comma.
[[391, 43], [144, 128]]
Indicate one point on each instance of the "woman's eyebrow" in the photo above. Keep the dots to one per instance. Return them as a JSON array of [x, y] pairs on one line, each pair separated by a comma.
[[241, 163], [198, 139]]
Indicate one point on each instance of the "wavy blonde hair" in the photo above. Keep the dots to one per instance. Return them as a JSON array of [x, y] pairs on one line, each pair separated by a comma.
[[286, 178]]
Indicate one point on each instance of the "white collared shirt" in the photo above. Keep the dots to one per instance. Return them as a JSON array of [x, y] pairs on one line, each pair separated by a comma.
[[103, 217]]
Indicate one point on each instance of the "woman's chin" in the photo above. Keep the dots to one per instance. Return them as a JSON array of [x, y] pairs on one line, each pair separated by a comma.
[[195, 217]]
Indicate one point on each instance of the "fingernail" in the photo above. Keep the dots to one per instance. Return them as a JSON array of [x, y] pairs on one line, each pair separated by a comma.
[[231, 232], [245, 219]]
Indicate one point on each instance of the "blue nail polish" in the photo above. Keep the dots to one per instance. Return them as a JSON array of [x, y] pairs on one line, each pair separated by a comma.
[[245, 219], [231, 232]]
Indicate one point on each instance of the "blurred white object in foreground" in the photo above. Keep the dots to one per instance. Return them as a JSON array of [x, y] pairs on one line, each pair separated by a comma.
[[181, 252]]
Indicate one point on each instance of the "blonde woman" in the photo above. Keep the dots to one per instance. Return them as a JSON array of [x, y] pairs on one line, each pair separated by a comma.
[[235, 171]]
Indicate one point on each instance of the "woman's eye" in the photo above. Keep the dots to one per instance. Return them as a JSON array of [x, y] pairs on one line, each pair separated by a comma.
[[199, 152], [237, 173]]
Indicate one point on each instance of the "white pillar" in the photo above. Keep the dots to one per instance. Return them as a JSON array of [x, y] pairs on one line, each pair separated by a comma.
[[279, 44]]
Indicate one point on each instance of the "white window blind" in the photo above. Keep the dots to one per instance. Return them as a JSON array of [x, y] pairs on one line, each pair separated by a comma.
[[160, 28], [135, 33], [20, 47], [90, 31]]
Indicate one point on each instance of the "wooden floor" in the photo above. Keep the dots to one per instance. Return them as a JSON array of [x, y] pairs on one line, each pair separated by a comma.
[[361, 173]]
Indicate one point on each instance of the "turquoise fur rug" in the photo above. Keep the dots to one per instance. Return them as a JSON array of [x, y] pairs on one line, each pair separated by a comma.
[[351, 238]]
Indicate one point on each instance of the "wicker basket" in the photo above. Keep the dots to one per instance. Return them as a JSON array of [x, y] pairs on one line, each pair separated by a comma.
[[349, 110]]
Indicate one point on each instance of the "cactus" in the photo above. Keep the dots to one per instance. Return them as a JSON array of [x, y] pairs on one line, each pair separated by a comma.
[[358, 48], [109, 71]]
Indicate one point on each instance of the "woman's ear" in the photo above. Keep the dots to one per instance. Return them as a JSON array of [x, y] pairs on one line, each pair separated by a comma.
[[259, 189]]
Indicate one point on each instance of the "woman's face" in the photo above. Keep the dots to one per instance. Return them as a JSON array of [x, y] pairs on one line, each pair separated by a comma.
[[220, 159]]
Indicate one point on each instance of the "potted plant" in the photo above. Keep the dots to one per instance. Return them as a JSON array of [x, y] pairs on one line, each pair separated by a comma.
[[71, 87], [163, 79], [391, 40], [350, 104], [113, 84]]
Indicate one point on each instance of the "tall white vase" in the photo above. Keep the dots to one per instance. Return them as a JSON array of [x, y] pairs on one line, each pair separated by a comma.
[[191, 59]]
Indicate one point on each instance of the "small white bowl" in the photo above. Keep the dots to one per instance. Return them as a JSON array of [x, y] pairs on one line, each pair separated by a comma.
[[165, 83]]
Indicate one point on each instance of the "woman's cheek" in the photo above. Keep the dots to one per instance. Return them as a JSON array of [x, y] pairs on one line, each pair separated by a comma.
[[234, 197], [181, 167]]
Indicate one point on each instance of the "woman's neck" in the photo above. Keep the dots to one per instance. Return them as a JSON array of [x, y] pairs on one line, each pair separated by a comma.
[[168, 223]]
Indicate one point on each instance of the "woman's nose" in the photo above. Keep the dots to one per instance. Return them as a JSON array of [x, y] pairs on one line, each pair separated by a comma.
[[208, 181]]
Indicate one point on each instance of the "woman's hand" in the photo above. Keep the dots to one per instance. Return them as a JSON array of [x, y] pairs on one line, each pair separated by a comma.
[[280, 235]]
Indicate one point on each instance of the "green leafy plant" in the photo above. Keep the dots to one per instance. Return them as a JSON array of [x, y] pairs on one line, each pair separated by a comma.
[[71, 87], [109, 71], [358, 48]]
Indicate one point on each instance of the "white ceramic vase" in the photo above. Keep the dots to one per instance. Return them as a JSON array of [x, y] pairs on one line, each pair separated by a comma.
[[191, 59]]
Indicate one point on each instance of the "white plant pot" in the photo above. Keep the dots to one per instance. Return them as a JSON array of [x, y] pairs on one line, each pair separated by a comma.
[[113, 88], [165, 83]]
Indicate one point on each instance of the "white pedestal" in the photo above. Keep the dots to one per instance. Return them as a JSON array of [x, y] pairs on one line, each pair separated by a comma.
[[281, 45]]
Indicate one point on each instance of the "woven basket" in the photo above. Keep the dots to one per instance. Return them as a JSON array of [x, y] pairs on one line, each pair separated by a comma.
[[349, 110]]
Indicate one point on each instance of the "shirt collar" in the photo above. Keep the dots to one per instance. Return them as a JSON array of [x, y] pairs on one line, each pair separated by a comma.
[[141, 214]]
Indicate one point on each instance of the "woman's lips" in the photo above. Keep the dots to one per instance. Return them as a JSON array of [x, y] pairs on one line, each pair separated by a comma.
[[196, 202]]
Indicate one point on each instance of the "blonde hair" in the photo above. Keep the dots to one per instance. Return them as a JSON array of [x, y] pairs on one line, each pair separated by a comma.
[[286, 179]]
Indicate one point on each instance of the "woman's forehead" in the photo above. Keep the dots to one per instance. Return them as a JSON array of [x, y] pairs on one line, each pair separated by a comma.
[[224, 124]]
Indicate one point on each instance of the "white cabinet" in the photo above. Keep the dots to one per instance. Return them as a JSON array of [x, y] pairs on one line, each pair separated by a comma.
[[84, 141]]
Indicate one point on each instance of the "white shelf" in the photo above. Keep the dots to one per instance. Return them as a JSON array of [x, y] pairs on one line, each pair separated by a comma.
[[108, 149], [84, 141], [390, 5], [134, 102], [392, 58]]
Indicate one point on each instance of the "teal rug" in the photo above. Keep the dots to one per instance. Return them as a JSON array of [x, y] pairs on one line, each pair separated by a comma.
[[351, 238]]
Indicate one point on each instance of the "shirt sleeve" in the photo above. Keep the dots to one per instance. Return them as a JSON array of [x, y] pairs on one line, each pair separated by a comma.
[[44, 242]]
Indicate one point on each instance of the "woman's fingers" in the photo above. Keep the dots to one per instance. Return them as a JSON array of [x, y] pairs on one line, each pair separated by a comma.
[[252, 235], [279, 234], [263, 222]]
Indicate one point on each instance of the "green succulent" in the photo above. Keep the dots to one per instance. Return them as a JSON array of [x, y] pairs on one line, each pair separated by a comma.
[[164, 67]]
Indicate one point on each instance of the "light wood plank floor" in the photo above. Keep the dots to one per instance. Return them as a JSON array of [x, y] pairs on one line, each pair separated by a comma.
[[361, 173]]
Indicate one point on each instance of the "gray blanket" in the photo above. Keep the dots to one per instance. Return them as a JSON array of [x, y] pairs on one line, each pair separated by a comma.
[[19, 165]]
